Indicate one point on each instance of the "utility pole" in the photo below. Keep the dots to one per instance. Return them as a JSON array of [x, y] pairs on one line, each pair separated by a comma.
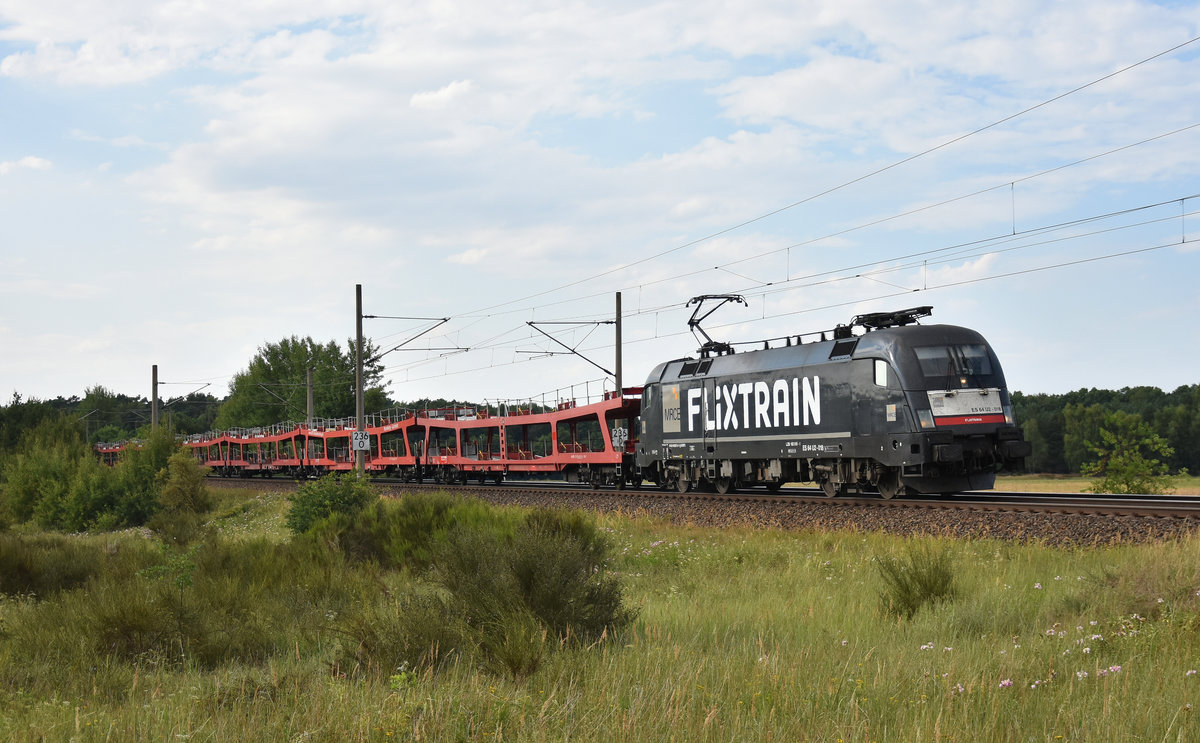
[[618, 364], [308, 411], [359, 458], [154, 397]]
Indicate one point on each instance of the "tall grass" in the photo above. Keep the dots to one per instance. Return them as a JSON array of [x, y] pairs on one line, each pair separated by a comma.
[[741, 635]]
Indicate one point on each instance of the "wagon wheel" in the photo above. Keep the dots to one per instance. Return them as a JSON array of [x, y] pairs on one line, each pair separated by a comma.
[[774, 485], [832, 489], [889, 483], [725, 485]]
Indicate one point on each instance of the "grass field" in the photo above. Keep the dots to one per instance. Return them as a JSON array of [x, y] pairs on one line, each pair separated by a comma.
[[1184, 485], [741, 635]]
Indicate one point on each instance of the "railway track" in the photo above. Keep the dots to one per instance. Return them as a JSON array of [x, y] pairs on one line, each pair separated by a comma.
[[1054, 518]]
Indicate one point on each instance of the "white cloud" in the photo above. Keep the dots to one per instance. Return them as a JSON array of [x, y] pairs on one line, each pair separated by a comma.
[[29, 161], [442, 97]]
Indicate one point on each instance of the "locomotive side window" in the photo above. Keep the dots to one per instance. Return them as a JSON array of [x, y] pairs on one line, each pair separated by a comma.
[[881, 375], [954, 361]]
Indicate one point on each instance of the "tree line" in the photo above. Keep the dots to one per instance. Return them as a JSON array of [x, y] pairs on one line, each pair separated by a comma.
[[273, 388], [1063, 428]]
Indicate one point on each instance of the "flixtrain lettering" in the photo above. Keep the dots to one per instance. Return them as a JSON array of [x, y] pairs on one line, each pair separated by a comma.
[[753, 406]]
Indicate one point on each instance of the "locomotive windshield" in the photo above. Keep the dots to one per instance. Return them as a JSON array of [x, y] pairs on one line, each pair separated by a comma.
[[961, 360]]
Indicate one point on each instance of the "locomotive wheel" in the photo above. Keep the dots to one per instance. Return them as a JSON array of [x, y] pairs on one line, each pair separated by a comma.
[[683, 485], [889, 484], [724, 485], [832, 489], [774, 485]]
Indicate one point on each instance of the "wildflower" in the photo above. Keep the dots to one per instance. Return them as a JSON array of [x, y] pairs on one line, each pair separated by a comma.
[[1081, 674], [1038, 586], [927, 646], [1114, 669], [1005, 683], [1086, 651], [1191, 672], [947, 650], [844, 642]]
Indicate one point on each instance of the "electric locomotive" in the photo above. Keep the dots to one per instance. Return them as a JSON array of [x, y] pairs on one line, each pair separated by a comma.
[[883, 405]]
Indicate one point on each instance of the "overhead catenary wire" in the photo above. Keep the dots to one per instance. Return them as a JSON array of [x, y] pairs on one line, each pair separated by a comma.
[[858, 300], [845, 184], [955, 251], [910, 212]]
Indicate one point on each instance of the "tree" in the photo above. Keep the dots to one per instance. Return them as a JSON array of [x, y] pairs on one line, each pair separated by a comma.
[[1127, 457], [1081, 429], [192, 413], [272, 389], [104, 410]]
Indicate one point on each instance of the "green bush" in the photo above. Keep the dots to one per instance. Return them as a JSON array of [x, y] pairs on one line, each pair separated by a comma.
[[406, 532], [923, 576], [500, 591], [44, 565], [558, 561], [37, 476], [416, 631], [329, 495], [55, 480], [183, 498], [546, 580]]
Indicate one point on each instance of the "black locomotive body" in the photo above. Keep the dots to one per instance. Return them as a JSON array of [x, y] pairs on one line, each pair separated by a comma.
[[899, 407]]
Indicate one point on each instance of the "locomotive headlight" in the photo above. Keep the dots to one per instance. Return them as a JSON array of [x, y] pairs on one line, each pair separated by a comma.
[[1008, 415], [926, 418]]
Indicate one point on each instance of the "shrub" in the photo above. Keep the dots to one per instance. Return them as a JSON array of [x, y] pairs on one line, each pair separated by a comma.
[[138, 475], [331, 494], [182, 499], [417, 631], [501, 588], [924, 576], [513, 591], [43, 566], [405, 532], [558, 561], [181, 485]]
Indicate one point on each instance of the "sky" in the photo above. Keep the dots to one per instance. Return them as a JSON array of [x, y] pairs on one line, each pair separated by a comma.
[[182, 183]]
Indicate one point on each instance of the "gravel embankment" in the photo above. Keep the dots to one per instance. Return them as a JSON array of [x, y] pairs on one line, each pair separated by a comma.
[[1055, 529]]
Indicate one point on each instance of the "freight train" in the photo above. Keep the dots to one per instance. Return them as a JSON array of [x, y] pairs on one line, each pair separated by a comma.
[[882, 405]]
